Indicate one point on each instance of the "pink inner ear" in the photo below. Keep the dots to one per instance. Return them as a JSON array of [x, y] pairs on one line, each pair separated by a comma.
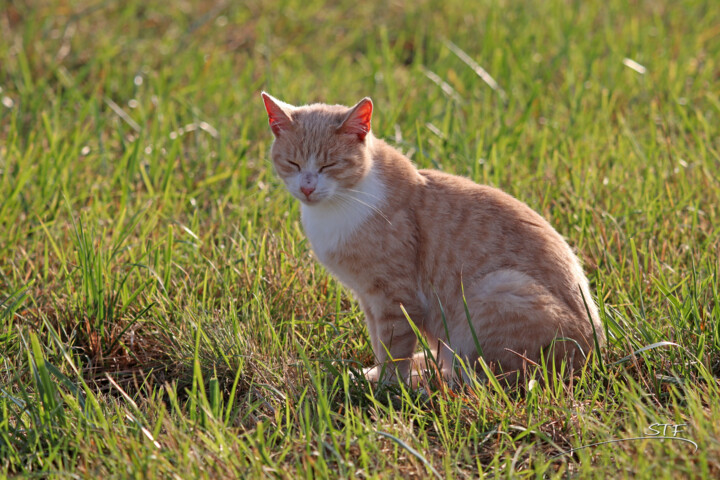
[[277, 118], [358, 121]]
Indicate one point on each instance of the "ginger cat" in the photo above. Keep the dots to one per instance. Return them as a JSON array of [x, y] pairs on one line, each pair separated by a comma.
[[397, 236]]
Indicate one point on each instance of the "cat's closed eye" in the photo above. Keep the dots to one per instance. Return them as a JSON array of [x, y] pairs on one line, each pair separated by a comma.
[[329, 165], [295, 165]]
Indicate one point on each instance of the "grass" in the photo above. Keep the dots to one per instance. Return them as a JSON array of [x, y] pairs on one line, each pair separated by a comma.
[[161, 315]]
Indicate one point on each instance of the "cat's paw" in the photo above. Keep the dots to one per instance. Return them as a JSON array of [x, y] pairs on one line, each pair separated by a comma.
[[384, 375], [373, 374]]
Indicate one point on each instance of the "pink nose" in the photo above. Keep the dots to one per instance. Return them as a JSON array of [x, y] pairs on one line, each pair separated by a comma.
[[307, 190]]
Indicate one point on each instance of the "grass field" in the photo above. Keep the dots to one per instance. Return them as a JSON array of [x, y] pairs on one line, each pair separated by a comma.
[[161, 315]]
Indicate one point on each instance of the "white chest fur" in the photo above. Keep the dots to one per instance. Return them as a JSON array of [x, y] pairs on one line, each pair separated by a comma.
[[329, 224]]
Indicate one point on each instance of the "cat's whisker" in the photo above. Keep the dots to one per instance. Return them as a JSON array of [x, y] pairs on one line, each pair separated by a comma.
[[372, 207], [347, 201], [377, 197]]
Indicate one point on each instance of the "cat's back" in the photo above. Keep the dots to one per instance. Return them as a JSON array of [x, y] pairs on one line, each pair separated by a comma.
[[460, 198], [487, 230]]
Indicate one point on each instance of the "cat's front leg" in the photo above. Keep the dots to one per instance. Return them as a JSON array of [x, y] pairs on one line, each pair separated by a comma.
[[393, 341]]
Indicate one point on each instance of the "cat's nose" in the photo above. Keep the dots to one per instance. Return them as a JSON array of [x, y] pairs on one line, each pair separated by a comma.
[[307, 190]]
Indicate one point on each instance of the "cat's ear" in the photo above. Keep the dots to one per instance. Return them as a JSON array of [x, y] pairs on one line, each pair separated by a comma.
[[357, 121], [278, 114]]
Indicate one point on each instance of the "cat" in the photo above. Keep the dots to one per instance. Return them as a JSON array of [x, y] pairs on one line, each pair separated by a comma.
[[431, 243]]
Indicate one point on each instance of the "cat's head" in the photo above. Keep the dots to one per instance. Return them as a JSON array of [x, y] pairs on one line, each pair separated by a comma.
[[320, 151]]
